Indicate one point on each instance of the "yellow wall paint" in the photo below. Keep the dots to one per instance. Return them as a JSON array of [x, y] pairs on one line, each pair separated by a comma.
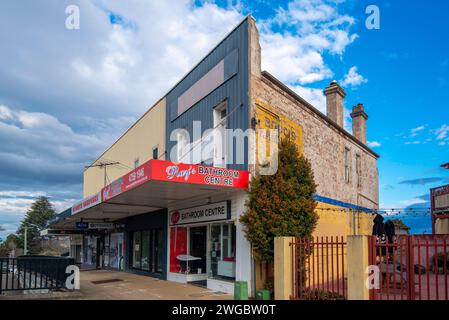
[[135, 144], [335, 222], [338, 221], [268, 119]]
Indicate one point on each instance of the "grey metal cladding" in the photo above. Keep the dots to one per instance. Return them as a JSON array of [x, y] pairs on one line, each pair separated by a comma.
[[214, 78], [231, 62], [234, 51]]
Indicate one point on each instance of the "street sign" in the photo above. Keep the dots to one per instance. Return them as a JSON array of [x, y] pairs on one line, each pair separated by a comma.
[[82, 225], [100, 225]]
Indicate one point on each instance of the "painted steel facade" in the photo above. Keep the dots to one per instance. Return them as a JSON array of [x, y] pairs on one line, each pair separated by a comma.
[[233, 52]]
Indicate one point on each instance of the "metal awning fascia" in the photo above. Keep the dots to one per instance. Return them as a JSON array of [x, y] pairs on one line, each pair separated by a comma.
[[153, 186]]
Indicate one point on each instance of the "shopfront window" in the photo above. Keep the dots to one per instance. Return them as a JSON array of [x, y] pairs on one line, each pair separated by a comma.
[[178, 249], [136, 250], [159, 251], [207, 249], [147, 250], [188, 249], [222, 251], [198, 244]]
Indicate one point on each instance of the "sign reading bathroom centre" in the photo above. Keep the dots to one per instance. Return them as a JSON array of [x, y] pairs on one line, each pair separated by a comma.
[[209, 212], [170, 172], [161, 170]]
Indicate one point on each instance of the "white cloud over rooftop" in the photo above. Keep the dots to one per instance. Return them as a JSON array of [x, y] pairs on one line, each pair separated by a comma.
[[67, 94]]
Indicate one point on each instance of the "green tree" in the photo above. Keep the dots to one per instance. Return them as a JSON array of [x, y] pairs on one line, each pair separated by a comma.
[[281, 204], [8, 244], [35, 219]]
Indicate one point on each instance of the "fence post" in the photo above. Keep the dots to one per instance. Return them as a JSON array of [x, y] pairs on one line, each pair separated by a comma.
[[283, 268], [357, 264]]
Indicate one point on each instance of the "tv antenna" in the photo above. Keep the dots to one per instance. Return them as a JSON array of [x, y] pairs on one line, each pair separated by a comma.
[[103, 165]]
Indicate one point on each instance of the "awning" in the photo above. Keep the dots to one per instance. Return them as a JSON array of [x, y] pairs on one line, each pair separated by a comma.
[[150, 187]]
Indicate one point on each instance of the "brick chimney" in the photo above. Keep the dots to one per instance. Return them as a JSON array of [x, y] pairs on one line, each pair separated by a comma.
[[359, 118], [334, 102]]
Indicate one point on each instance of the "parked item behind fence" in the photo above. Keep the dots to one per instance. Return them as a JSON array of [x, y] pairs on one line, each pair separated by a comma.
[[379, 232]]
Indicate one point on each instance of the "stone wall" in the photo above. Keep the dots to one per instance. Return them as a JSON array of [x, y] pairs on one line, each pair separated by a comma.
[[324, 146], [323, 143]]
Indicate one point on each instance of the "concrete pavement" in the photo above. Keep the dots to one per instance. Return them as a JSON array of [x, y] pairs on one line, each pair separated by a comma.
[[131, 287]]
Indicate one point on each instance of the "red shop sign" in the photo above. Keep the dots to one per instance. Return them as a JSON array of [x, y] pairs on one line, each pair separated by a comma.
[[162, 170], [199, 174], [129, 181], [86, 203]]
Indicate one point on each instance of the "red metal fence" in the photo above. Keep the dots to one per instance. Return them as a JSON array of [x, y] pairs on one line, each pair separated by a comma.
[[318, 269], [410, 268]]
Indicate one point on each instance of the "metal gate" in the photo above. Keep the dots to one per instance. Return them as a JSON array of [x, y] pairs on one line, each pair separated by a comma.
[[33, 273], [412, 267], [318, 270]]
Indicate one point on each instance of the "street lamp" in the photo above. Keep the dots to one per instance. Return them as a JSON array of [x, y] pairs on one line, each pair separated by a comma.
[[25, 236]]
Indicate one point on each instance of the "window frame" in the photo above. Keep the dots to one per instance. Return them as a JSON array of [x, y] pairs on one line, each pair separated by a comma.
[[347, 165], [155, 148], [153, 246], [358, 169], [218, 119]]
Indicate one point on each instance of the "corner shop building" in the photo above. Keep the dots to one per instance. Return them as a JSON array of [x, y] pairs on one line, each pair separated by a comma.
[[168, 216]]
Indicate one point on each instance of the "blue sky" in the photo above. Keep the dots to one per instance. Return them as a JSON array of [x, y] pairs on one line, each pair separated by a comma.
[[67, 94]]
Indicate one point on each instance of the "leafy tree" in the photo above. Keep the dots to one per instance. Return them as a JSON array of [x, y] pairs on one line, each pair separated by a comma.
[[35, 219], [8, 244], [281, 204]]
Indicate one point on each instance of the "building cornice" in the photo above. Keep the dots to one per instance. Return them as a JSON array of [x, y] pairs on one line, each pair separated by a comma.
[[296, 97]]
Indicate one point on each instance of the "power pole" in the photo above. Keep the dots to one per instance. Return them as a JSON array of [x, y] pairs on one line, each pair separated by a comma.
[[25, 250]]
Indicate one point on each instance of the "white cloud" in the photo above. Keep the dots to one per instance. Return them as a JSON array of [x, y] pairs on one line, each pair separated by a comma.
[[347, 119], [37, 146], [414, 131], [17, 207], [67, 95], [103, 68], [314, 27], [442, 132], [403, 204], [314, 96], [413, 142], [129, 65], [353, 78], [15, 203], [417, 129], [373, 144], [286, 58]]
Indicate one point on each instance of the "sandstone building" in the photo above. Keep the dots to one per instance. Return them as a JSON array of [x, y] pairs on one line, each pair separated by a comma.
[[152, 207]]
